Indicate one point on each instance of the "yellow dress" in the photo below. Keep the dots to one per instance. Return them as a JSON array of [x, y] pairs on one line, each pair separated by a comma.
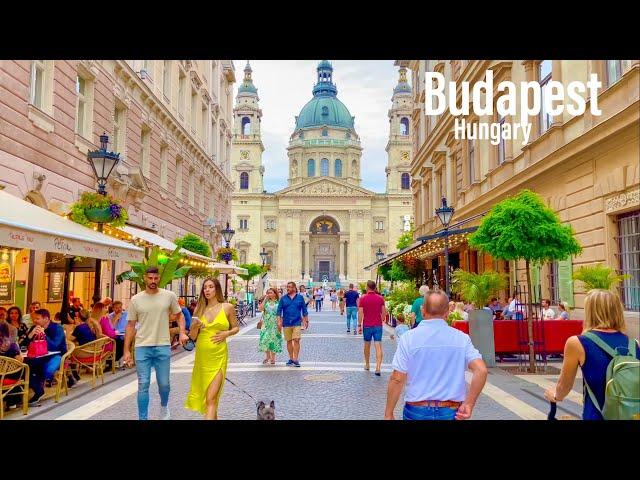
[[211, 358]]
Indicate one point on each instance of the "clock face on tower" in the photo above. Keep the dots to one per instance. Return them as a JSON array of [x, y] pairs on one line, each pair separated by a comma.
[[404, 155], [244, 154]]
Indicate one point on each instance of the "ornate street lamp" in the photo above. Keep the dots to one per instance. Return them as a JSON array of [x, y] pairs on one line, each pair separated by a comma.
[[445, 213], [379, 257], [264, 255], [379, 254], [227, 234], [102, 162]]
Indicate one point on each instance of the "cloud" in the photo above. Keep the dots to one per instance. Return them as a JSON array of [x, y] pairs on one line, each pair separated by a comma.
[[284, 87]]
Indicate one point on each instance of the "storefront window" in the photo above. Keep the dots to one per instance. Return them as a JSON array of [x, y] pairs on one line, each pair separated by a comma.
[[629, 248]]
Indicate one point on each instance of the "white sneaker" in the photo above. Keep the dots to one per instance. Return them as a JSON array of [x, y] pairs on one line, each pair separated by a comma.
[[165, 414]]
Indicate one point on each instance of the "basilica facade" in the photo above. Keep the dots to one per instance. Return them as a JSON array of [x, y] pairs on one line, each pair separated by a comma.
[[324, 226]]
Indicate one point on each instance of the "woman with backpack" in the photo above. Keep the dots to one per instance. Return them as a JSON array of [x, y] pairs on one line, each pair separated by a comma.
[[608, 359]]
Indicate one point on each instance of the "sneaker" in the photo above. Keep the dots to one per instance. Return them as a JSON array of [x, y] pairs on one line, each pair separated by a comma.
[[290, 362], [35, 400], [71, 382], [76, 375], [296, 363], [165, 414], [355, 332], [348, 331]]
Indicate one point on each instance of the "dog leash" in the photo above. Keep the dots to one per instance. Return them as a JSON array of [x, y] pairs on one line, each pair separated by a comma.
[[242, 390]]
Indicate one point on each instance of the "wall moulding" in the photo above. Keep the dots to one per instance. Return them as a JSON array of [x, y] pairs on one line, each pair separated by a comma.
[[622, 201]]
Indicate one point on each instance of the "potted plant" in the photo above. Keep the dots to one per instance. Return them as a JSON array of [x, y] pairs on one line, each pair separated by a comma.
[[598, 276], [227, 254], [478, 288], [168, 267], [96, 208]]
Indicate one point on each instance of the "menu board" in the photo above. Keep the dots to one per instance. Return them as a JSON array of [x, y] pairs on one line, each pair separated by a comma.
[[56, 287], [6, 278]]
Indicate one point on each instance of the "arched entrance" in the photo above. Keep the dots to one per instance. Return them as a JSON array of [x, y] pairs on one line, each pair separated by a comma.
[[324, 248]]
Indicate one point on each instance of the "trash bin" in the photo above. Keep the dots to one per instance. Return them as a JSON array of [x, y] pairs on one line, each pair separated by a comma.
[[481, 333]]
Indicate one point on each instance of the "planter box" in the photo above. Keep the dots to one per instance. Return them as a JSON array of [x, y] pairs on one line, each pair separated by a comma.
[[481, 333]]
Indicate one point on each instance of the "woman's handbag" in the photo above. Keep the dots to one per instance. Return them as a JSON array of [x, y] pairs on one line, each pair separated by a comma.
[[191, 343], [38, 346]]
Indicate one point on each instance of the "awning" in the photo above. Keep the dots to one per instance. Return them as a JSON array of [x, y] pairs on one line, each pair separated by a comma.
[[162, 242], [392, 256], [24, 225], [231, 269]]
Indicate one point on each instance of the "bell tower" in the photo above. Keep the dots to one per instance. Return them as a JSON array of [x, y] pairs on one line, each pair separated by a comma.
[[246, 153], [400, 132]]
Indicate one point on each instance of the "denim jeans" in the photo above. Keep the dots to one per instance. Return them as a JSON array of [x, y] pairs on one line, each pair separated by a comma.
[[318, 305], [352, 314], [158, 357], [43, 369], [412, 412]]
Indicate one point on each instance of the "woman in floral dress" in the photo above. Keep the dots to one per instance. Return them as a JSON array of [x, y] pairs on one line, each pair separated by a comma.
[[270, 333]]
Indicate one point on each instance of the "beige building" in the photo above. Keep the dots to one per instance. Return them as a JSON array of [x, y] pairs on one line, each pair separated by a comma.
[[170, 120], [324, 224], [586, 167]]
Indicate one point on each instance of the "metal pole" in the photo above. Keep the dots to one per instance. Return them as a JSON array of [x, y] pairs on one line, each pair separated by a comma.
[[446, 260], [96, 283]]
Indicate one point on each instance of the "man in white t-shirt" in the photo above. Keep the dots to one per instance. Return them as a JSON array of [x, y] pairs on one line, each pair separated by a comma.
[[547, 312], [151, 310]]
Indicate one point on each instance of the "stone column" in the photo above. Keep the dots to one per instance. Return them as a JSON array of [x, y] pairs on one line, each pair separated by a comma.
[[343, 263]]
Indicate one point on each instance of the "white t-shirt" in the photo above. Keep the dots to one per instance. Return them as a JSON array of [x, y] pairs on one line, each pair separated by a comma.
[[151, 312], [548, 314]]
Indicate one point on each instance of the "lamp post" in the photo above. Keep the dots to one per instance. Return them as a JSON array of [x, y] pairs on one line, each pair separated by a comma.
[[445, 213], [227, 234], [102, 162], [379, 257]]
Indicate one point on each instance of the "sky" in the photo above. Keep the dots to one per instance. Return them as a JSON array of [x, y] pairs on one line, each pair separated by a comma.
[[284, 87]]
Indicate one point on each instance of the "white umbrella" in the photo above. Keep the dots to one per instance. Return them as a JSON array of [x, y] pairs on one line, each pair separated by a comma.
[[227, 268]]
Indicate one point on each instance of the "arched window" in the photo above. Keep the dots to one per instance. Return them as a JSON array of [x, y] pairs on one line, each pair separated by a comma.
[[338, 168], [244, 181], [325, 132], [354, 169], [311, 168], [404, 126], [325, 111], [324, 167], [246, 126], [243, 256], [406, 181]]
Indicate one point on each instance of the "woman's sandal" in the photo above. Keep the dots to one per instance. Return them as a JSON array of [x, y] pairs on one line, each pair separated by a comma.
[[265, 361], [273, 362]]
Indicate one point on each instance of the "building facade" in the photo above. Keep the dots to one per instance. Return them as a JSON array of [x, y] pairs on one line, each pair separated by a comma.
[[324, 225], [170, 120], [586, 167]]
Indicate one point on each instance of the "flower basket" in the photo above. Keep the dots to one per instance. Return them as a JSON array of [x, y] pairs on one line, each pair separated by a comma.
[[227, 254], [98, 215], [96, 208]]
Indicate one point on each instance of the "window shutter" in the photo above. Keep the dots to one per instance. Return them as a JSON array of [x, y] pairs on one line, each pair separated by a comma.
[[535, 282], [565, 281]]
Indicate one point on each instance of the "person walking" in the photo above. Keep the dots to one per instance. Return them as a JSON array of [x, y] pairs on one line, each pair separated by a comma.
[[213, 322], [341, 300], [151, 311], [319, 299], [432, 359], [351, 301], [416, 307], [292, 312], [270, 333], [334, 300], [603, 336], [371, 315]]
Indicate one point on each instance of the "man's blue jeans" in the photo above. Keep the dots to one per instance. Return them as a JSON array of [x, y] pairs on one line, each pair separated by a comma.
[[43, 369], [412, 412], [352, 314], [158, 357]]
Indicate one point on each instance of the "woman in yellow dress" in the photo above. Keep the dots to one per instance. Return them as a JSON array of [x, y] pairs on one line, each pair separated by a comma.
[[216, 320]]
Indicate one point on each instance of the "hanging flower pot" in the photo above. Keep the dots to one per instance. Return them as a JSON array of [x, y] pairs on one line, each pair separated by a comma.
[[96, 208], [98, 215]]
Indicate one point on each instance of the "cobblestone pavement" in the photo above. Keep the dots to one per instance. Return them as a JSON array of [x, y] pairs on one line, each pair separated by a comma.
[[331, 384]]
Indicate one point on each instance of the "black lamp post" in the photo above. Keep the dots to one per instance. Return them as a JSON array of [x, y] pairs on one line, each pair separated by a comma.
[[264, 255], [227, 234], [379, 257], [445, 213], [102, 162]]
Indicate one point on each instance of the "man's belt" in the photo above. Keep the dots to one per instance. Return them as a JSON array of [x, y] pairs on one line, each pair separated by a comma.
[[435, 403]]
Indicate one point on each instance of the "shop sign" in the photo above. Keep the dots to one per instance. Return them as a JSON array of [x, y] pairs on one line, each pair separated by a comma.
[[56, 287]]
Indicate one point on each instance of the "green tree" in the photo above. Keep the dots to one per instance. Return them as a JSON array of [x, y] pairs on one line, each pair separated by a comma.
[[195, 244], [405, 239], [598, 276], [253, 269], [524, 228], [477, 288], [167, 268]]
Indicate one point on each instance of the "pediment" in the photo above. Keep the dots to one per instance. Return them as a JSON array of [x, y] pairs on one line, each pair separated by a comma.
[[325, 187]]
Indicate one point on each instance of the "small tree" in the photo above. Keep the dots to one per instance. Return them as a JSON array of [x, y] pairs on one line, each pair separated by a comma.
[[477, 288], [405, 239], [253, 269], [598, 276], [195, 244], [524, 228]]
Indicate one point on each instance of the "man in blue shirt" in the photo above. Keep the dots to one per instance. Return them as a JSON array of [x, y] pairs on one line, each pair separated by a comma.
[[120, 318], [351, 299], [292, 311]]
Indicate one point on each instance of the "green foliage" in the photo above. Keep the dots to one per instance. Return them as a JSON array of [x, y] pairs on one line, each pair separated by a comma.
[[384, 271], [253, 269], [399, 309], [405, 239], [398, 272], [477, 288], [362, 286], [454, 317], [405, 292], [598, 276], [523, 227], [194, 243], [95, 200], [168, 269]]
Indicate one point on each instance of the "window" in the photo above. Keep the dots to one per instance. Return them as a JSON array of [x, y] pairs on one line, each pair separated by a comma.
[[178, 178], [166, 80], [147, 66], [379, 225], [324, 167], [554, 284], [270, 258], [243, 256], [325, 111], [544, 74], [311, 168], [192, 189], [404, 126], [244, 181], [163, 167], [203, 125], [502, 144], [84, 106], [41, 84], [338, 168], [325, 132], [271, 224], [119, 130], [244, 223], [629, 248], [406, 181], [472, 161], [246, 126], [615, 69], [182, 86], [213, 137], [145, 140]]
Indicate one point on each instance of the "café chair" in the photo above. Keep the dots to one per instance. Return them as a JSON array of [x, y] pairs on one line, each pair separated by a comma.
[[64, 371], [93, 356], [10, 386]]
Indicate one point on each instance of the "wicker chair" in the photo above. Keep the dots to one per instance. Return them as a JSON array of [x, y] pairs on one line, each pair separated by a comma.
[[65, 369], [111, 355], [8, 386], [93, 356]]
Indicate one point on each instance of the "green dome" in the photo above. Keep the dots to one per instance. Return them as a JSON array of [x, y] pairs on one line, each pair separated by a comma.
[[323, 110]]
